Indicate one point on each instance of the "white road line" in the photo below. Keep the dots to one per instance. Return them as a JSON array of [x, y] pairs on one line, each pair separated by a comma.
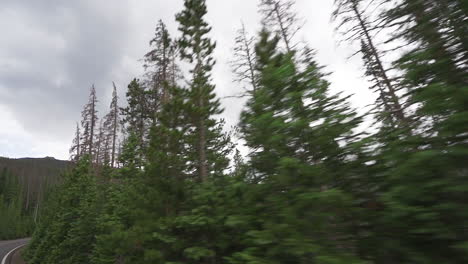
[[6, 256]]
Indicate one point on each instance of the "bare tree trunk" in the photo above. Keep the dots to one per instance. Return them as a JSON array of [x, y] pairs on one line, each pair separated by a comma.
[[250, 59], [114, 132], [27, 194], [284, 34], [36, 210], [164, 78], [391, 90], [78, 150], [93, 120], [99, 143], [202, 166], [203, 171]]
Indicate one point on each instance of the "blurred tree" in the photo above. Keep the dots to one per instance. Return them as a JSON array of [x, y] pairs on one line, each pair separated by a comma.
[[298, 134], [279, 17], [355, 25]]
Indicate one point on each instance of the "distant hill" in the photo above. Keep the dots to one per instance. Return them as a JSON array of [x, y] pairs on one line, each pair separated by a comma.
[[34, 174], [35, 169]]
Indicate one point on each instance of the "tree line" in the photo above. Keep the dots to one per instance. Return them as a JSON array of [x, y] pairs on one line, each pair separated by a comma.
[[16, 220], [24, 184], [313, 188]]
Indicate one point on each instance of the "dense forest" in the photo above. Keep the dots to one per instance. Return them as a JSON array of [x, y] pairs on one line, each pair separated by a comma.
[[160, 179], [24, 186]]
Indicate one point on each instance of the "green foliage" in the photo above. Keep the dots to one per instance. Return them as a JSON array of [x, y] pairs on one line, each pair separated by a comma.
[[209, 146], [15, 220], [135, 114], [66, 233], [312, 190]]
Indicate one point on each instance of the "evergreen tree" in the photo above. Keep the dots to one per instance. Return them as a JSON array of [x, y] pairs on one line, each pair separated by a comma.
[[244, 62], [84, 139], [130, 156], [421, 172], [239, 164], [16, 220], [162, 185], [75, 150], [435, 66], [299, 135], [102, 146], [160, 66], [134, 116], [113, 239], [89, 123], [66, 235], [355, 25], [111, 127], [168, 152], [413, 176], [279, 16], [207, 141]]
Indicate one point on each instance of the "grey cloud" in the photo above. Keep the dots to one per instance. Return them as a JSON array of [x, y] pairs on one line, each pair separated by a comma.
[[58, 51], [52, 51]]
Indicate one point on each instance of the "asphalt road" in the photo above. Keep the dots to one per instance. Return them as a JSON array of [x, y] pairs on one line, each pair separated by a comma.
[[7, 246]]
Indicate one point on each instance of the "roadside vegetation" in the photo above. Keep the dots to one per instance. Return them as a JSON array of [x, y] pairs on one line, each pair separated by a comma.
[[162, 180]]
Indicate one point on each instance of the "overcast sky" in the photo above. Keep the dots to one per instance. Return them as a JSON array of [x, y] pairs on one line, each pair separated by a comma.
[[52, 51]]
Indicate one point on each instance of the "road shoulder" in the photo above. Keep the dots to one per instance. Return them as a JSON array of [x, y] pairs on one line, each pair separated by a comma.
[[16, 257]]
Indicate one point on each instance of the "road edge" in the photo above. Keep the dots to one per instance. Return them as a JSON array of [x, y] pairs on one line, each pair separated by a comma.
[[4, 260]]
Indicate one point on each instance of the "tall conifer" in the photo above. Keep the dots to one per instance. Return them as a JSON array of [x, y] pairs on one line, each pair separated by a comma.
[[160, 66], [355, 24], [299, 137], [135, 115], [244, 62], [279, 17], [111, 126], [197, 48], [89, 123], [75, 149]]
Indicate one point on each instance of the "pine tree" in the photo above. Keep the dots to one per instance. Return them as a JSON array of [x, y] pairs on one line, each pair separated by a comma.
[[356, 26], [89, 123], [163, 182], [160, 66], [436, 60], [412, 176], [196, 48], [75, 149], [244, 62], [240, 167], [300, 100], [421, 171], [113, 241], [16, 220], [135, 115], [299, 135], [66, 234], [279, 16], [111, 127], [130, 156], [168, 151], [102, 145]]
